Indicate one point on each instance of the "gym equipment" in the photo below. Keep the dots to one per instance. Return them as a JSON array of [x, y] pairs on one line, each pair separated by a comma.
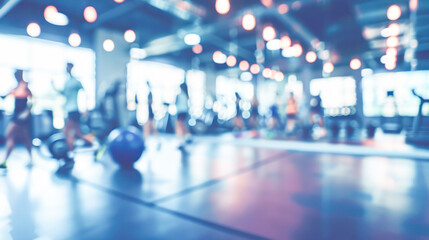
[[126, 146], [391, 122], [419, 134], [57, 146]]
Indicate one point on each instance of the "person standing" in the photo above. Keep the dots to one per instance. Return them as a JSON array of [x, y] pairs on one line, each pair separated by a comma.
[[291, 112], [21, 119], [149, 126], [238, 119], [182, 131]]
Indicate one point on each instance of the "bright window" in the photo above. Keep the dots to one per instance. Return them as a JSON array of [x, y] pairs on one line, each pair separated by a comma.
[[338, 94], [375, 88]]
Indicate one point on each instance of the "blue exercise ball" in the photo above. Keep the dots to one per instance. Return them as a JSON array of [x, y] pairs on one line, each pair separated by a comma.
[[126, 146]]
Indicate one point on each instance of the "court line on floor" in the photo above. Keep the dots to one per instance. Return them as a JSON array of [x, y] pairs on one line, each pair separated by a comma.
[[329, 148], [212, 182], [154, 206]]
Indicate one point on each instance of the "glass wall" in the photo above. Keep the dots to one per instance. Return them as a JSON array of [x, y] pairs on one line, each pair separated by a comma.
[[375, 88]]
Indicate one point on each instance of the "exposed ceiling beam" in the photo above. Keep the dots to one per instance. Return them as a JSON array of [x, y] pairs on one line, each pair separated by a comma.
[[178, 8], [174, 42], [7, 6], [114, 13]]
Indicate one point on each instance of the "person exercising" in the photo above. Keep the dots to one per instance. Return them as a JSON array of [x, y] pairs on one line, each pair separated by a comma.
[[72, 130], [20, 127]]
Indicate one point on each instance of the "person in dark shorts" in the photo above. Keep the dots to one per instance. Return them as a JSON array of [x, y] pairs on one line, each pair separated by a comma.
[[72, 130], [20, 127], [182, 131]]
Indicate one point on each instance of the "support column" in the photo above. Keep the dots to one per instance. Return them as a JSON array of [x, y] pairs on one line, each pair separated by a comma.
[[112, 67]]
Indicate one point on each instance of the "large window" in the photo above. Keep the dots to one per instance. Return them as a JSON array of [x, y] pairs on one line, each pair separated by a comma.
[[375, 88], [45, 62], [338, 94]]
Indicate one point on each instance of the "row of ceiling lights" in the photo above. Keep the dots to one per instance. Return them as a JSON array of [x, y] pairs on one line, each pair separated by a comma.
[[53, 16], [269, 34]]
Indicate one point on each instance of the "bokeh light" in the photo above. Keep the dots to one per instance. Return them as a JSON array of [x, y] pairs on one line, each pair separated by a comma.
[[231, 61], [392, 42], [130, 36], [267, 3], [269, 33], [219, 57], [274, 44], [50, 12], [33, 29], [118, 1], [192, 39], [328, 67], [283, 8], [391, 65], [279, 76], [244, 65], [394, 29], [285, 42], [222, 6], [394, 12], [74, 40], [255, 68], [414, 4], [297, 50], [266, 73], [108, 45], [311, 56], [90, 14], [355, 64], [197, 49], [391, 52], [248, 22]]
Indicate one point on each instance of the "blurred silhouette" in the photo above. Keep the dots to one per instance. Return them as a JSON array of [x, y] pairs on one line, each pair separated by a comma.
[[72, 130], [149, 126], [291, 112], [254, 114], [20, 127], [182, 131], [238, 119]]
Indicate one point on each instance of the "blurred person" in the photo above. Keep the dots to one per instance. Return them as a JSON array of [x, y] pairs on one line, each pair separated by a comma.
[[72, 130], [182, 131], [149, 126], [274, 120], [20, 127], [254, 114], [291, 113], [316, 112], [238, 119]]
